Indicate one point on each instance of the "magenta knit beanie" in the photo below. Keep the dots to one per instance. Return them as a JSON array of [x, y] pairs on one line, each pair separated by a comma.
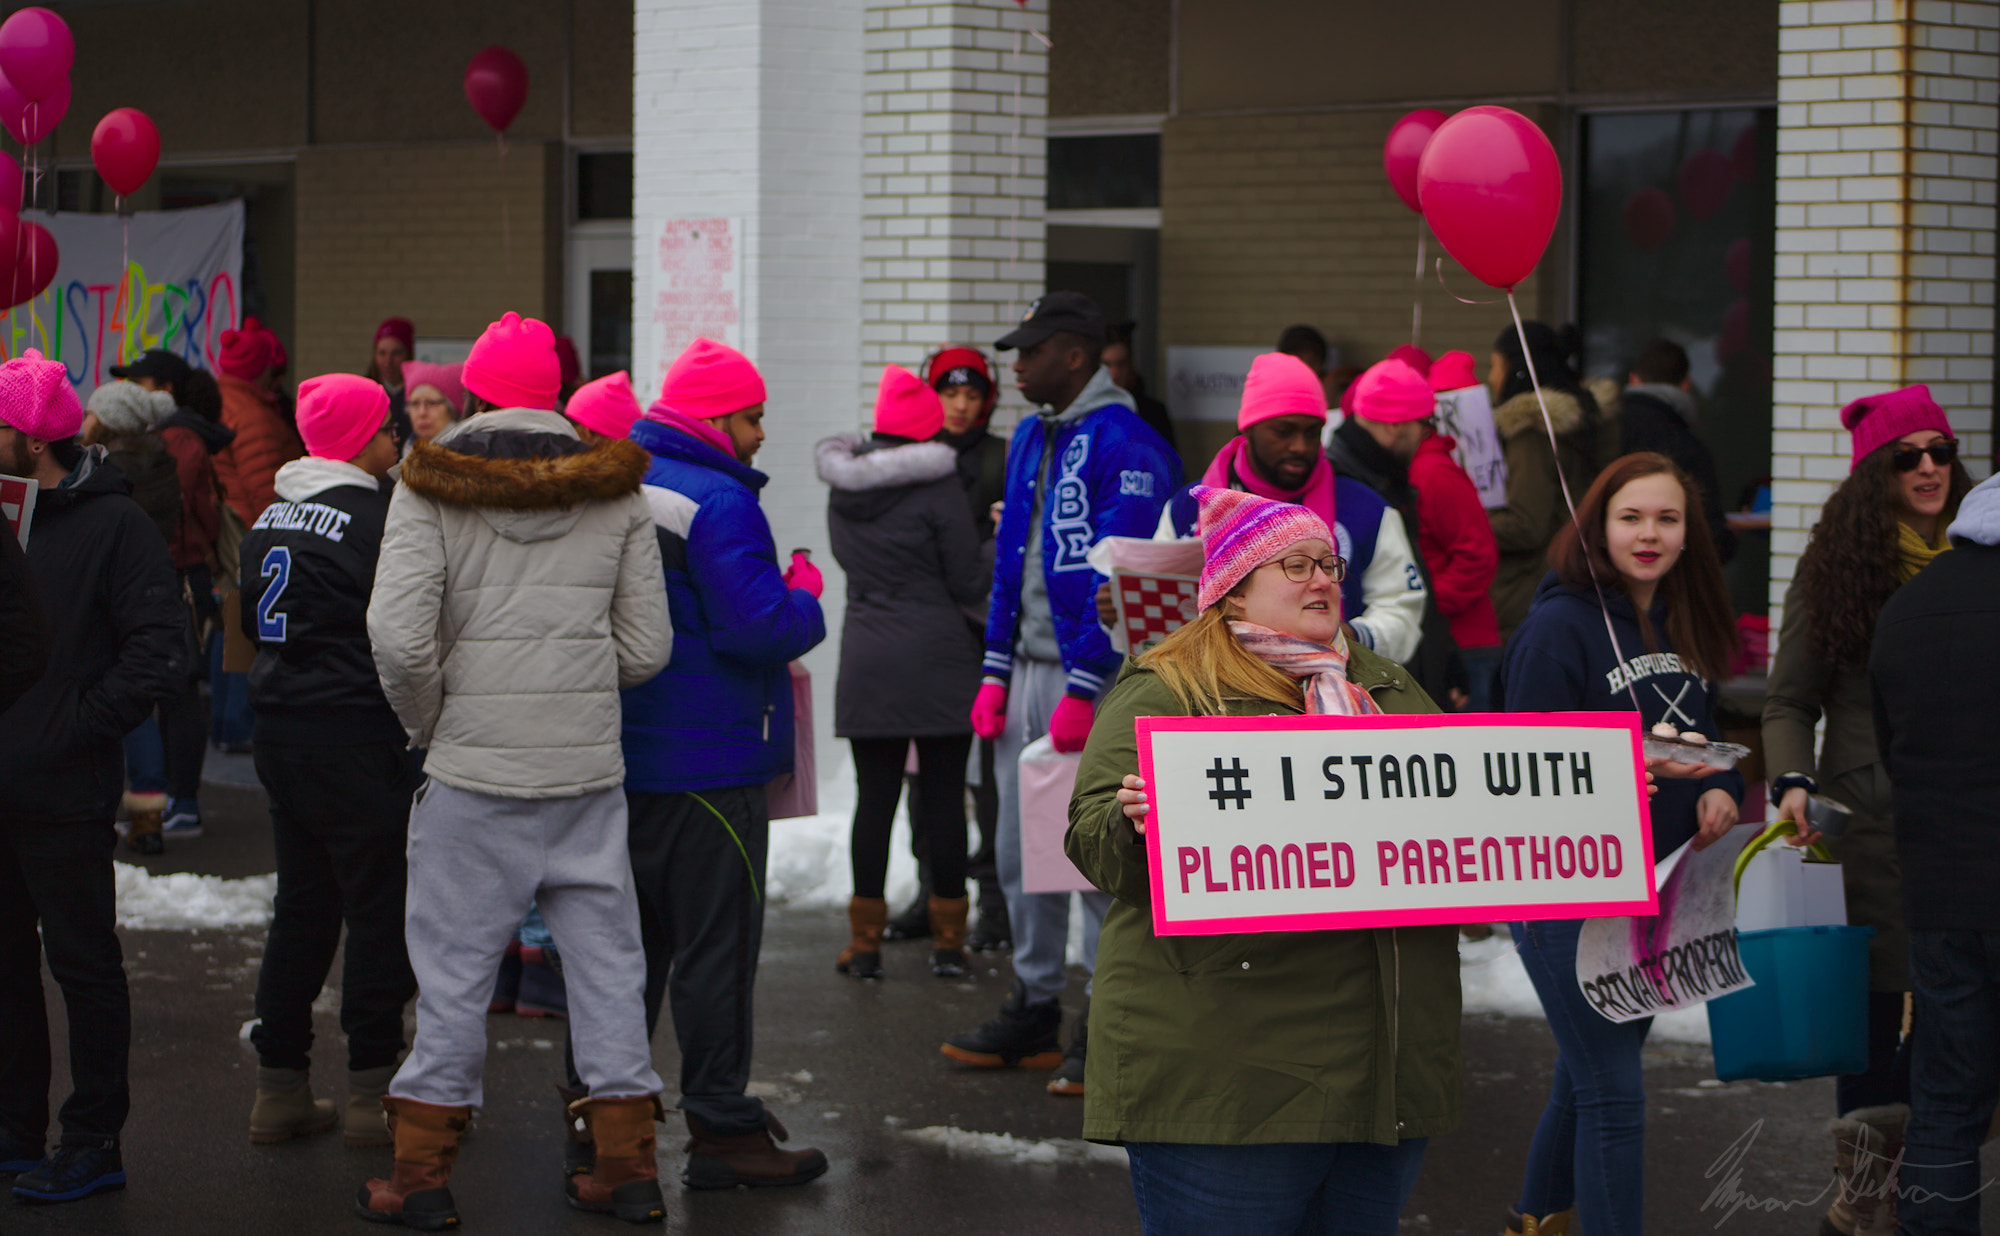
[[1280, 385], [514, 365], [606, 405], [446, 380], [1878, 419], [906, 407], [1453, 372], [37, 399], [711, 379], [1241, 532], [339, 413], [1392, 392]]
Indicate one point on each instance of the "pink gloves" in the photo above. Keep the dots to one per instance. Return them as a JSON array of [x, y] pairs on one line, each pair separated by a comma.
[[989, 710], [802, 574], [1069, 724]]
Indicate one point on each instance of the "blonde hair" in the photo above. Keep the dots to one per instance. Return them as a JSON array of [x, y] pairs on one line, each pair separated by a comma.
[[1203, 665]]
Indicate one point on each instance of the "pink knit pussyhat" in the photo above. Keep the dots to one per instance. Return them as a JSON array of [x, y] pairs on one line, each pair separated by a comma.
[[1280, 385], [606, 405], [1876, 420], [711, 379], [1453, 372], [906, 407], [1391, 393], [1241, 532], [513, 364], [339, 413], [37, 399], [446, 380]]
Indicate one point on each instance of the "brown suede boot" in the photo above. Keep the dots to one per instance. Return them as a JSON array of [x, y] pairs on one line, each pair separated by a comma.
[[417, 1193], [285, 1108], [1528, 1225], [948, 915], [751, 1159], [1868, 1153], [145, 812], [579, 1150], [365, 1123], [625, 1180], [867, 917]]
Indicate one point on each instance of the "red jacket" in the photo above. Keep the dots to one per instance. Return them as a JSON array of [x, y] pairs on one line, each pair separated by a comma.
[[1456, 540], [248, 467], [195, 538]]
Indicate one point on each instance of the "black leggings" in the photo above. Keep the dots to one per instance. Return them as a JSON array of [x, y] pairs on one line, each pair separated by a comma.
[[939, 815]]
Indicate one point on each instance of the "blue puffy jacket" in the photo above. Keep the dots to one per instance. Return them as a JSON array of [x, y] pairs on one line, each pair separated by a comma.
[[720, 714], [1111, 477]]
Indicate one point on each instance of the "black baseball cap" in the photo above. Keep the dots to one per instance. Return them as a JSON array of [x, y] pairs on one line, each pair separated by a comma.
[[1058, 311], [159, 364]]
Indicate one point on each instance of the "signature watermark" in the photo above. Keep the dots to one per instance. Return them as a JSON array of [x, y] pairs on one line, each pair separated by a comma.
[[1875, 1178]]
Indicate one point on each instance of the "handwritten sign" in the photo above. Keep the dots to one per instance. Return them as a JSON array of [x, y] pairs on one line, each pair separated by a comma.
[[1206, 383], [1467, 415], [1299, 823], [17, 505], [1684, 955], [697, 285]]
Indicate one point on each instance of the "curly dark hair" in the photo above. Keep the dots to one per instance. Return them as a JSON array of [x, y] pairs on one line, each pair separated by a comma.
[[1848, 570]]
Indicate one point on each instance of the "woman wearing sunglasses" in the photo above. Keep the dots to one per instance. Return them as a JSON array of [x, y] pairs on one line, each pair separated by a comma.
[[1271, 1084], [1883, 525]]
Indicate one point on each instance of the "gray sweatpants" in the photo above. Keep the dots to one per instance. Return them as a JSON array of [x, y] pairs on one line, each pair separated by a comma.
[[476, 863]]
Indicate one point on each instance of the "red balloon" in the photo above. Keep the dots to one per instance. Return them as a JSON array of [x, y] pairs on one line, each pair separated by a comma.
[[36, 51], [28, 120], [11, 183], [1649, 219], [1736, 264], [1704, 181], [35, 260], [126, 148], [1491, 188], [496, 84], [10, 240], [1404, 147]]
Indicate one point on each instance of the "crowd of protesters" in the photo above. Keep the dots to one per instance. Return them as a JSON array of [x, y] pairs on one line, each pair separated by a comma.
[[511, 655]]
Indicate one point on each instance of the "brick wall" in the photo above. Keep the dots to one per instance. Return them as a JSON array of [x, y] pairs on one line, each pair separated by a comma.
[[1885, 245]]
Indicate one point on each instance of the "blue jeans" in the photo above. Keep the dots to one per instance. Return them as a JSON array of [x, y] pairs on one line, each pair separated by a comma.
[[1482, 671], [1274, 1189], [230, 718], [146, 758], [1954, 1078], [1589, 1151], [534, 933]]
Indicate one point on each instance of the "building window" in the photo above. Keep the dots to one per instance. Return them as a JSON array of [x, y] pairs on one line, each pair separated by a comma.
[[1120, 172], [610, 322], [604, 184]]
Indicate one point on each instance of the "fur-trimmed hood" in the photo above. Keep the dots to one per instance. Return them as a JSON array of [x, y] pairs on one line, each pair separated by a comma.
[[868, 477], [525, 470], [1522, 413]]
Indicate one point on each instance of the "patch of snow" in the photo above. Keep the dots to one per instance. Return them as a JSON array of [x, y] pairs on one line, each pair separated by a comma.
[[1493, 980], [184, 901], [1018, 1149]]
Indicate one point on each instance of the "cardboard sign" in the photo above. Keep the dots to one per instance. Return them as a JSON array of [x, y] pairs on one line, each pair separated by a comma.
[[1466, 414], [17, 504], [1684, 955], [1151, 607], [1305, 822]]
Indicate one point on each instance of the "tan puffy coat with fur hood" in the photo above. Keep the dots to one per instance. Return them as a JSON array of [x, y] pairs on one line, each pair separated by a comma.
[[1535, 510], [518, 590]]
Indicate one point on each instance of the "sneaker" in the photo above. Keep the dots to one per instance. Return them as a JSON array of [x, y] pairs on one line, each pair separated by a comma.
[[1068, 1077], [1024, 1035], [72, 1172], [183, 819]]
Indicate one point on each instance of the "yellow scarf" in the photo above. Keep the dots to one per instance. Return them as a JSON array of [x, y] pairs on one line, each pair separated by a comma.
[[1914, 553]]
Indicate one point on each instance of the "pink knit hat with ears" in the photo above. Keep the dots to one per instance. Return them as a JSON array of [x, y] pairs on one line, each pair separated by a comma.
[[1875, 420], [1453, 372], [339, 413], [37, 399], [711, 379], [606, 405], [514, 365], [444, 379], [1393, 392], [1241, 532], [1280, 385], [906, 407]]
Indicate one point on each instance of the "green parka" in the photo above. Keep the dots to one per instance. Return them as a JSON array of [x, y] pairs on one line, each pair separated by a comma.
[[1535, 510], [1310, 1036]]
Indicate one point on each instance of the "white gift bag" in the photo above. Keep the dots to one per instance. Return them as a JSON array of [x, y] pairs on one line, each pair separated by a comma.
[[1048, 778], [1777, 887]]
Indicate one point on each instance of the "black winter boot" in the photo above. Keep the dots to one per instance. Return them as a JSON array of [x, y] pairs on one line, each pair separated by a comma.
[[1024, 1035], [914, 922], [1068, 1077], [991, 930]]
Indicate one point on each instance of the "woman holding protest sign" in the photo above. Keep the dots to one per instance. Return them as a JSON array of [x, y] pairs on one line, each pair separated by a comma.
[[1286, 1082], [1634, 616]]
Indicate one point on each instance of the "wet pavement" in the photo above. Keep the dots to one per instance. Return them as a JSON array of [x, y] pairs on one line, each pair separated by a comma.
[[853, 1069]]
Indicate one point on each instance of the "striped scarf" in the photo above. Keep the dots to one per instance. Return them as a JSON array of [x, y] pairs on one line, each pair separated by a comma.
[[1329, 692]]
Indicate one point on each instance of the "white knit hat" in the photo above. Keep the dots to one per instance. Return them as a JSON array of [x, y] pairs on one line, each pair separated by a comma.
[[127, 407]]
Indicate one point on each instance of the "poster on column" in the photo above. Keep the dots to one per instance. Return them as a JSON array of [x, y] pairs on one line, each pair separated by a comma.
[[697, 272], [162, 279], [1304, 823]]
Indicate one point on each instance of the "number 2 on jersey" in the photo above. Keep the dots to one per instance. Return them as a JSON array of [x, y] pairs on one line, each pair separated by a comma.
[[271, 625]]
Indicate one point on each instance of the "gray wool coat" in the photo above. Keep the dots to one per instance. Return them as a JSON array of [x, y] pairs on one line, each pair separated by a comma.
[[900, 529]]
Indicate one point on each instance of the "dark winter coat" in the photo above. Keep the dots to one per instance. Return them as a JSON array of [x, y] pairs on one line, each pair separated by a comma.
[[149, 468], [1935, 668], [1535, 509], [192, 439], [24, 654], [118, 647], [1355, 453], [897, 519], [308, 570], [1660, 418], [982, 470]]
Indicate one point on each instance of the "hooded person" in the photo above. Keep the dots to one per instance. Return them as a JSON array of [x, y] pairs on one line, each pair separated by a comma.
[[247, 370], [335, 764], [118, 647], [701, 742], [517, 590], [909, 664], [395, 346], [1276, 455], [1657, 412]]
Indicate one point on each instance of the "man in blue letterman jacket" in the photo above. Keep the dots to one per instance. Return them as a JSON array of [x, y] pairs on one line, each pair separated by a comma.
[[1082, 468]]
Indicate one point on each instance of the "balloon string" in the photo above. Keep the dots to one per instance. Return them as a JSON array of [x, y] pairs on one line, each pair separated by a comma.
[[1417, 301], [1562, 483], [1454, 295]]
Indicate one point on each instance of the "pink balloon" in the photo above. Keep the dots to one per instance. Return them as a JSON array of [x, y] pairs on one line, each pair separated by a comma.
[[1736, 264], [1404, 147], [1704, 181], [35, 260], [1491, 188], [126, 148], [496, 84], [10, 239], [36, 51], [1648, 218], [11, 182], [28, 120]]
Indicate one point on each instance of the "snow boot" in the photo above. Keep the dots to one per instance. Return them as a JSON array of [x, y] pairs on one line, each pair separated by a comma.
[[145, 812], [717, 1161], [947, 932], [1068, 1077], [625, 1179], [507, 986], [914, 923], [285, 1108], [1528, 1225], [365, 1123], [866, 918], [418, 1191], [579, 1150], [1024, 1035], [991, 931], [543, 992], [1868, 1151]]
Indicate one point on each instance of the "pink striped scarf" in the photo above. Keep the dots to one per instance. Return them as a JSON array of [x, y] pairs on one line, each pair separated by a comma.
[[1330, 692]]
